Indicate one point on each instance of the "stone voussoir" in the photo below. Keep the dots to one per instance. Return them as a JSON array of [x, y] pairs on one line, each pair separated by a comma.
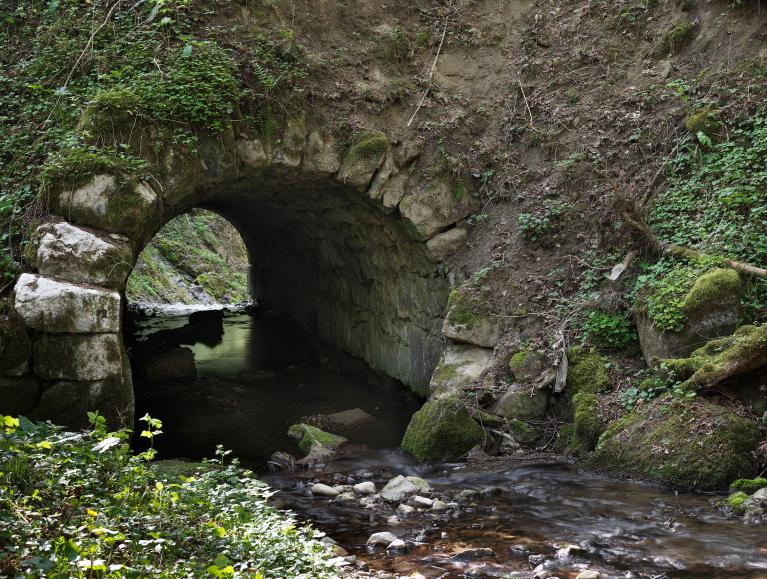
[[68, 252], [53, 306]]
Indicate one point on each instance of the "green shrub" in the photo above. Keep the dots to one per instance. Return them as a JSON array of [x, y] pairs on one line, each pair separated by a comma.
[[606, 330], [84, 506], [544, 221]]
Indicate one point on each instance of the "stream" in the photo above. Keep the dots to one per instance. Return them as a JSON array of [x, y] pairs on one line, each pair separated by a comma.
[[506, 516]]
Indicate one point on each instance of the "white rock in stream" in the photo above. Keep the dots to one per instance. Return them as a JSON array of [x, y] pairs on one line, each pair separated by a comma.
[[384, 538], [397, 545], [400, 487], [422, 502], [588, 574], [404, 509], [321, 490], [365, 488]]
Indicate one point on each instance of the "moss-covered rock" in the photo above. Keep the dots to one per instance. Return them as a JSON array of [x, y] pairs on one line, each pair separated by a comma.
[[522, 431], [307, 436], [526, 365], [704, 121], [710, 308], [737, 501], [363, 159], [587, 373], [459, 366], [522, 402], [469, 319], [441, 430], [692, 444], [749, 485], [677, 38], [115, 204], [721, 359], [588, 423]]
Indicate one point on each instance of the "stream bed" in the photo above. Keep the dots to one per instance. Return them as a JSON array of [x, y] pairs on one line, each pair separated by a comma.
[[505, 516]]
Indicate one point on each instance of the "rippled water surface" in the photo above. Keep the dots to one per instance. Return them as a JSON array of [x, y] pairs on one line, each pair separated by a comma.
[[525, 506]]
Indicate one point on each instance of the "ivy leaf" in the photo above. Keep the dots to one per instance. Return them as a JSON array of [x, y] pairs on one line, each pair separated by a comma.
[[187, 51], [704, 139], [53, 5]]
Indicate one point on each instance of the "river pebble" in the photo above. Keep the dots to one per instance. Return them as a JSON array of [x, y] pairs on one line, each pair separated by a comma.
[[588, 574], [422, 502], [365, 488], [439, 506], [384, 538], [322, 490], [405, 510], [397, 545]]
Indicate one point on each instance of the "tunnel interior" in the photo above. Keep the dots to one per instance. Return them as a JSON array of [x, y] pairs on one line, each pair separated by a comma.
[[346, 307], [333, 264]]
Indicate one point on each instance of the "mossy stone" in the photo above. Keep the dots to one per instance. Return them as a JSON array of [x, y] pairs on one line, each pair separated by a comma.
[[689, 444], [676, 39], [721, 359], [704, 121], [738, 502], [17, 395], [710, 289], [306, 436], [588, 423], [587, 373], [749, 485], [522, 431], [442, 430]]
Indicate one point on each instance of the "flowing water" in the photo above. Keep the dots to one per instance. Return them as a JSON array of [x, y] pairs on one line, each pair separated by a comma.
[[524, 513]]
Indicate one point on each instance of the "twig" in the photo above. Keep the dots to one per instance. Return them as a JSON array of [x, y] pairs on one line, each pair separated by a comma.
[[433, 67], [529, 112]]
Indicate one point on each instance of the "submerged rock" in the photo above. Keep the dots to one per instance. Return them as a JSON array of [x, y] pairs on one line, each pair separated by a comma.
[[175, 364], [442, 430], [351, 417], [680, 442], [309, 437], [323, 490]]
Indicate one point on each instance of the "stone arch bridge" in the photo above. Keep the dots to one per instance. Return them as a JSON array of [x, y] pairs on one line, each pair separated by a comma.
[[348, 246]]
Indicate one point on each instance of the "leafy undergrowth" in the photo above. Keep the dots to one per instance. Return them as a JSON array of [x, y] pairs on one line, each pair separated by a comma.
[[198, 250], [82, 505]]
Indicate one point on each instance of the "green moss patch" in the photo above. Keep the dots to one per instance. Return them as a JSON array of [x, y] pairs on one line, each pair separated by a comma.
[[587, 373], [588, 423], [692, 444], [466, 308], [676, 39], [749, 485], [368, 146], [442, 429]]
